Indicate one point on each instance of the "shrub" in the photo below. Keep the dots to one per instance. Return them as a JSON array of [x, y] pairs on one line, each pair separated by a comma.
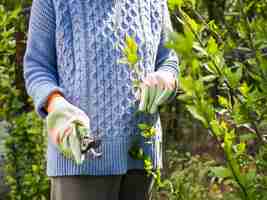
[[25, 144], [226, 92]]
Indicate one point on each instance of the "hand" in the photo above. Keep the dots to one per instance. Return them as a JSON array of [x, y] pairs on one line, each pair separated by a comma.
[[160, 79], [156, 89], [61, 122], [69, 128]]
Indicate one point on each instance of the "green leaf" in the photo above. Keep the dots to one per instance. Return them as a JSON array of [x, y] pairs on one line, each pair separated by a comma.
[[185, 98], [240, 148], [213, 27], [247, 137], [136, 152], [197, 114], [224, 102], [173, 4], [143, 126], [233, 78], [250, 176], [199, 49], [208, 78], [210, 67], [130, 51], [221, 172], [244, 89], [212, 47], [215, 126], [181, 43], [190, 22]]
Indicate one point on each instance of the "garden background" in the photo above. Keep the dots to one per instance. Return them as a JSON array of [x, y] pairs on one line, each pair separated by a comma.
[[215, 132]]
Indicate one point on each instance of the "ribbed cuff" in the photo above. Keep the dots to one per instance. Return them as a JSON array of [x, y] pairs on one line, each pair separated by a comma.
[[169, 68]]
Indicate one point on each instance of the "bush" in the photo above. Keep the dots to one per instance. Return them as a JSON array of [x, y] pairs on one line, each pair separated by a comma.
[[225, 91], [25, 144]]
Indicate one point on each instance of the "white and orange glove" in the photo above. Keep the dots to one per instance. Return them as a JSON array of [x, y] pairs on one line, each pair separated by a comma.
[[157, 88], [69, 128]]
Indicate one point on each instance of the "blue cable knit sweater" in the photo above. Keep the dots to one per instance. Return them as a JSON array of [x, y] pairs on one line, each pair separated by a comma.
[[74, 46]]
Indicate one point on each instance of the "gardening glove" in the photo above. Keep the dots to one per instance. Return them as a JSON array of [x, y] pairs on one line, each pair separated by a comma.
[[157, 89], [69, 128]]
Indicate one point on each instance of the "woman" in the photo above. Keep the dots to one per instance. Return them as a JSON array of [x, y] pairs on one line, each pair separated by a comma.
[[71, 59]]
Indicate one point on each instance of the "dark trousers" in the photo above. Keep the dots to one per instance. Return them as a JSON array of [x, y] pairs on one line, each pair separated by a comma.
[[135, 185]]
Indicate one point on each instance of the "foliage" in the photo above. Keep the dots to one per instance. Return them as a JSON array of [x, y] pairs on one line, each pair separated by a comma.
[[25, 163], [25, 144], [132, 60], [225, 93], [190, 179]]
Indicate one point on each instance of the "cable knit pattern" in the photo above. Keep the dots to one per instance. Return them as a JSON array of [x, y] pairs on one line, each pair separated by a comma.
[[74, 46]]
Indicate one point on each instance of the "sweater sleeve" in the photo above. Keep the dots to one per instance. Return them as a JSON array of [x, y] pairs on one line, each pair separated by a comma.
[[166, 58], [39, 62]]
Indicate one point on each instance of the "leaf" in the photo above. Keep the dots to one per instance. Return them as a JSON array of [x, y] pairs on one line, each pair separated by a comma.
[[191, 22], [181, 43], [136, 152], [223, 102], [185, 98], [187, 84], [233, 77], [173, 4], [244, 89], [250, 176], [131, 44], [229, 138], [255, 76], [215, 126], [221, 172], [212, 47], [247, 137], [213, 27], [210, 67], [129, 51], [240, 148], [143, 126], [199, 49], [196, 114]]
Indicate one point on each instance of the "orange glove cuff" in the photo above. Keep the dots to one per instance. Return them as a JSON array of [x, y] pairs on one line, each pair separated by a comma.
[[50, 99]]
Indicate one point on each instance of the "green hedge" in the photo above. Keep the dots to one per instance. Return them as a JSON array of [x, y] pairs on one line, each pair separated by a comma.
[[25, 144]]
